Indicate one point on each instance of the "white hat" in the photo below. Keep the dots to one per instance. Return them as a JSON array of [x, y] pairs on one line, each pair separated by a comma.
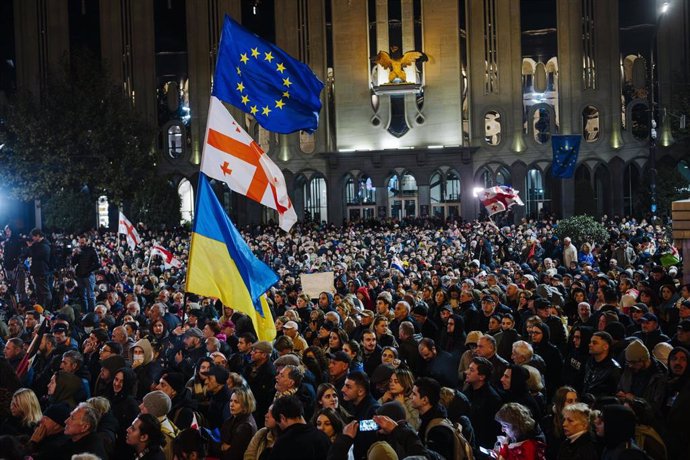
[[290, 325]]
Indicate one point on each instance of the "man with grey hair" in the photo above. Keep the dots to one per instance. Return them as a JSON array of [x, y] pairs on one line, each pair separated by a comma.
[[80, 427], [569, 252], [401, 313], [486, 348]]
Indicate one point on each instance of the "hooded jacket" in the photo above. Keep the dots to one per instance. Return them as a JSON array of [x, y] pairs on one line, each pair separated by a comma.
[[67, 388], [552, 358], [149, 371], [677, 406], [619, 430], [575, 359], [519, 391], [125, 409]]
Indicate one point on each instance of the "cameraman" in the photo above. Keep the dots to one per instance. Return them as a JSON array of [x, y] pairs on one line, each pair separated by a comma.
[[85, 262], [39, 251], [12, 250]]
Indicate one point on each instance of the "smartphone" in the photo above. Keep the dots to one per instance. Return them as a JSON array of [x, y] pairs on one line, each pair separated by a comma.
[[368, 425], [490, 453]]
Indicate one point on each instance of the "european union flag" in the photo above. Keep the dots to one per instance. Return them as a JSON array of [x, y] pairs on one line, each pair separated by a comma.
[[281, 92], [565, 147]]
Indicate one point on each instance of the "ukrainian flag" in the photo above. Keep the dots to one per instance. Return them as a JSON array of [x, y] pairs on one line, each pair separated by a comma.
[[221, 264]]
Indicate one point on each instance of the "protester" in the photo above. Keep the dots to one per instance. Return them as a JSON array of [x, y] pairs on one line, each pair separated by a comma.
[[411, 325]]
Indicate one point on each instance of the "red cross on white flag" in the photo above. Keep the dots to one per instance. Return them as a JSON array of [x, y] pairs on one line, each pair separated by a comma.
[[126, 228], [232, 156]]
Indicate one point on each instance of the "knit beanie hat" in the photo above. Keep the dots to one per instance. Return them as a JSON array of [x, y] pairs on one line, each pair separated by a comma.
[[157, 403], [58, 413], [176, 381], [636, 351], [381, 450], [392, 409]]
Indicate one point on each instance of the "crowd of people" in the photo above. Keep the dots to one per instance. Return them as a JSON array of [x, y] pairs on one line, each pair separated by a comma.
[[435, 341]]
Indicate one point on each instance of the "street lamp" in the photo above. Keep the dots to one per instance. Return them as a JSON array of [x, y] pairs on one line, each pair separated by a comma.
[[652, 103]]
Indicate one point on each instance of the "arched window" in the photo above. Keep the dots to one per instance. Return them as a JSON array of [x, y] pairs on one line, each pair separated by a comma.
[[361, 192], [536, 192], [402, 196], [186, 192], [541, 125], [445, 194], [174, 141], [486, 179], [360, 197], [307, 142], [492, 128], [590, 123], [503, 177], [315, 200]]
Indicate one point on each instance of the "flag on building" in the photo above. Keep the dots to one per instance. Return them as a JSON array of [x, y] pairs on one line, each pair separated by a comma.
[[231, 155], [168, 257], [222, 265], [566, 148], [126, 228], [282, 93], [499, 198]]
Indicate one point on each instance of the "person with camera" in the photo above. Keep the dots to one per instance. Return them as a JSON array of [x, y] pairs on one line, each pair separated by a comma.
[[12, 247], [85, 262], [39, 251]]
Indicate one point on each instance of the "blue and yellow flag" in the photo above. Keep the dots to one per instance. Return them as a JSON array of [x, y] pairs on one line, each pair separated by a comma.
[[566, 148], [222, 265], [282, 93]]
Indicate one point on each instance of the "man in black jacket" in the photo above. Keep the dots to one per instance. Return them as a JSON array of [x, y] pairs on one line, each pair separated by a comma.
[[484, 402], [85, 262], [261, 378], [602, 372], [298, 440], [81, 426], [39, 251]]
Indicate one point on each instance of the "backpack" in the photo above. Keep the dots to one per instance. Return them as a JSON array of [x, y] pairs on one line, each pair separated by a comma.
[[169, 434], [462, 449], [200, 419]]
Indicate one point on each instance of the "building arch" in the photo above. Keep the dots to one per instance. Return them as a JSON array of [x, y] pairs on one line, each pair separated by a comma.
[[445, 193], [403, 195], [360, 196], [312, 188]]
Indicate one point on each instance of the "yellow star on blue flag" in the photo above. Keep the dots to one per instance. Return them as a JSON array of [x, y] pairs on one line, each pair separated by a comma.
[[566, 148], [264, 79]]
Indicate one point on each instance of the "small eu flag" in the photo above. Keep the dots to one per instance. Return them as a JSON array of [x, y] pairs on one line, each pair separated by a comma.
[[565, 147], [282, 93]]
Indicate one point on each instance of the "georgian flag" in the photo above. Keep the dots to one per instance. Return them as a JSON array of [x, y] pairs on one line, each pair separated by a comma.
[[168, 258], [231, 155], [499, 199], [126, 228]]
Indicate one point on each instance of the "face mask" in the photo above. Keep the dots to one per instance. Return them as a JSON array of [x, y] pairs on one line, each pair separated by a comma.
[[137, 360], [88, 329]]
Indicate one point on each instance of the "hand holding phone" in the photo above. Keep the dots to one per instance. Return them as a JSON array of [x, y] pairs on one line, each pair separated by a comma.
[[368, 425]]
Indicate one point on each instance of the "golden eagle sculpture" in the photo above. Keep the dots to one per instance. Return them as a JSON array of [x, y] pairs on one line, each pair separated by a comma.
[[395, 63]]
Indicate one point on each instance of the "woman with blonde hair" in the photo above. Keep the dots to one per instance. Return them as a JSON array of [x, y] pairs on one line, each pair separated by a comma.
[[239, 429], [26, 413]]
